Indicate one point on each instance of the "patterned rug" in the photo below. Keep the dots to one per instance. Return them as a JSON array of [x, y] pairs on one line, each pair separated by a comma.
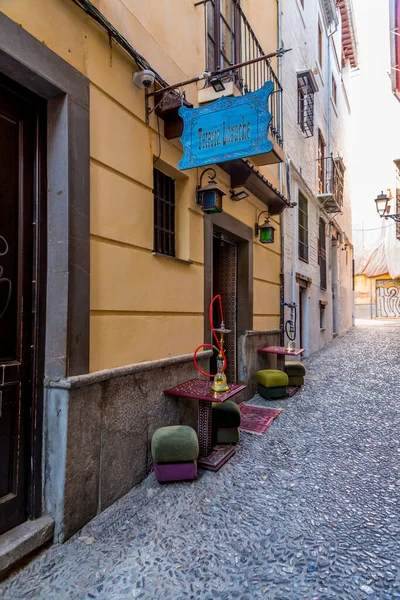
[[257, 419]]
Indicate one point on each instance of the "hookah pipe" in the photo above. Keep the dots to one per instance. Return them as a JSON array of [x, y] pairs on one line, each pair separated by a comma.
[[220, 348]]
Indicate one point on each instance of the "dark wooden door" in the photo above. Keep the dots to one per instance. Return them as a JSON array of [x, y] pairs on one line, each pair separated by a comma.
[[225, 283], [18, 134]]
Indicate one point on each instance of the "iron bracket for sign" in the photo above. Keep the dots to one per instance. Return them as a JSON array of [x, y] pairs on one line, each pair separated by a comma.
[[208, 74], [395, 218]]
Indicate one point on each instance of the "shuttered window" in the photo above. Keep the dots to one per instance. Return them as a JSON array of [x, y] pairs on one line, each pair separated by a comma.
[[303, 227], [322, 254], [223, 47]]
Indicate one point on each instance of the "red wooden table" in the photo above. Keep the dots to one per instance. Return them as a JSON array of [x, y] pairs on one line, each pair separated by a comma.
[[200, 390], [281, 352]]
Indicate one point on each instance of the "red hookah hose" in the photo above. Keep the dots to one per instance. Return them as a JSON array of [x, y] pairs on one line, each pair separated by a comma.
[[215, 337]]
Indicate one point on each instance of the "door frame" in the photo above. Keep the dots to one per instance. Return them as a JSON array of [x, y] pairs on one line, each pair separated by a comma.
[[65, 334], [34, 405], [243, 235]]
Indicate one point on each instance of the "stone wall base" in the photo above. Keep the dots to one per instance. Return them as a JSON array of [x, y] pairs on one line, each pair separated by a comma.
[[98, 429], [250, 361]]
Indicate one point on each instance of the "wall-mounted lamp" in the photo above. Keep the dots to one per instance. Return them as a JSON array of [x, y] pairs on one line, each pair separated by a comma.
[[345, 246], [383, 208], [241, 195], [210, 196], [266, 230], [216, 83]]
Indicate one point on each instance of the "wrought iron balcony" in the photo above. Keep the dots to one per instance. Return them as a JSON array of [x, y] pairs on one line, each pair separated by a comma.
[[331, 183], [230, 39]]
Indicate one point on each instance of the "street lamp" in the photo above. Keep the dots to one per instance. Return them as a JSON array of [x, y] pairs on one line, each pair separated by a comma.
[[382, 207]]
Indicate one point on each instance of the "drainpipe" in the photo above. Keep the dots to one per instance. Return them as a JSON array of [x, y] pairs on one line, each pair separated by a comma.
[[280, 167], [329, 146]]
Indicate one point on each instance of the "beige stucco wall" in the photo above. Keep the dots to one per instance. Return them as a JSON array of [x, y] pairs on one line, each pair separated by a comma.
[[365, 295], [145, 307]]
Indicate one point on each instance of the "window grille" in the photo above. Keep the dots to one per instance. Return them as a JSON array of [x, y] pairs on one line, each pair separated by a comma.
[[164, 213], [322, 254], [306, 88], [303, 227]]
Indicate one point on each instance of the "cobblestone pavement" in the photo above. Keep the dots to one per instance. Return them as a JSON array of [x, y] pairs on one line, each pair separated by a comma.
[[309, 510]]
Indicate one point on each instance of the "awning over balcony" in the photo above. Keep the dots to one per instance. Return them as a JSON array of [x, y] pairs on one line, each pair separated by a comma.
[[244, 174]]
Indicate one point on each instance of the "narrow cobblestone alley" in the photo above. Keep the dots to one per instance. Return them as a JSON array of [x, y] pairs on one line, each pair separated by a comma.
[[309, 510]]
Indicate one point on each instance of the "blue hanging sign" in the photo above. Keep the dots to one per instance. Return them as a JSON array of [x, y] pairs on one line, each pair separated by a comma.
[[229, 128]]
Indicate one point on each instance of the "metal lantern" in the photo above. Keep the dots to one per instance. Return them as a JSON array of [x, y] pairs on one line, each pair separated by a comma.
[[210, 196], [266, 231], [382, 204]]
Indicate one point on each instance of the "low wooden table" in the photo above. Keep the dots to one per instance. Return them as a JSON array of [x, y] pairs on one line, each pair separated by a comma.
[[200, 390], [281, 352]]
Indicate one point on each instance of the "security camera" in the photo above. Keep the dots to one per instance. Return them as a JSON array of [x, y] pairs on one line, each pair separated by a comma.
[[144, 79]]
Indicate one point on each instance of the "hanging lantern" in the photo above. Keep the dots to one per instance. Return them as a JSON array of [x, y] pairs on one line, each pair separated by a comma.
[[266, 231], [210, 196], [382, 204]]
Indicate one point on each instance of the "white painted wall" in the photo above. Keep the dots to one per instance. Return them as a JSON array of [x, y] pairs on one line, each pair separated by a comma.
[[300, 32]]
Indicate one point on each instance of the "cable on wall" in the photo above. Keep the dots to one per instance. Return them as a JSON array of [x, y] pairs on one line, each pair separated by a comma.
[[115, 35]]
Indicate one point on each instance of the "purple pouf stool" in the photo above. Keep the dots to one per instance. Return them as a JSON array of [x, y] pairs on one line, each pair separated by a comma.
[[175, 450]]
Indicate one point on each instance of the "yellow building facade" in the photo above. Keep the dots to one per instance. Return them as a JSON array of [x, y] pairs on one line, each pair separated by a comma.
[[133, 318], [143, 307]]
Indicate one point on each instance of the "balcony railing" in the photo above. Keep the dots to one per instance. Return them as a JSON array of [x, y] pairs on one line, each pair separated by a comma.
[[331, 183], [231, 40]]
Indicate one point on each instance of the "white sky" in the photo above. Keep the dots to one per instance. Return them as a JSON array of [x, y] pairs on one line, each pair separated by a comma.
[[375, 123]]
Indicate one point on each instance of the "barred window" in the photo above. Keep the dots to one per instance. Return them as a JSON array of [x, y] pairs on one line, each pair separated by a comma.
[[303, 227], [164, 213], [306, 87]]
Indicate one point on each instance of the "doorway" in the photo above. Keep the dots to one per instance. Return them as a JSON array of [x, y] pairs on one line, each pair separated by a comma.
[[335, 287], [302, 315], [225, 268], [22, 165]]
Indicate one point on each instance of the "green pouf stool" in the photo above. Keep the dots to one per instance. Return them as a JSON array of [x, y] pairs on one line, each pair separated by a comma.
[[295, 371], [175, 450], [272, 383], [226, 420]]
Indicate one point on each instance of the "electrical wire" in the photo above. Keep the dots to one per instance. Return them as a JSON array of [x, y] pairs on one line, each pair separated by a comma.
[[100, 19]]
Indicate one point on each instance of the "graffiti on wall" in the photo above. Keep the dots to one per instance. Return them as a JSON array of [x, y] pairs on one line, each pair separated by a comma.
[[388, 298]]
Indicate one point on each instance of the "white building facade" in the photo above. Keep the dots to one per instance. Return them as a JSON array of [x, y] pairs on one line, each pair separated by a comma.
[[318, 257]]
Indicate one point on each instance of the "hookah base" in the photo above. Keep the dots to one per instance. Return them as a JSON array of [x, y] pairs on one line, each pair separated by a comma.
[[218, 456], [219, 388]]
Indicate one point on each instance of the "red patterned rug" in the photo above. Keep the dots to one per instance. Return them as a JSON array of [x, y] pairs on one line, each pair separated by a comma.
[[257, 419]]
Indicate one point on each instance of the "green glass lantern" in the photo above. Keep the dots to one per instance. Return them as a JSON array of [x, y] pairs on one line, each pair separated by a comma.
[[266, 231]]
